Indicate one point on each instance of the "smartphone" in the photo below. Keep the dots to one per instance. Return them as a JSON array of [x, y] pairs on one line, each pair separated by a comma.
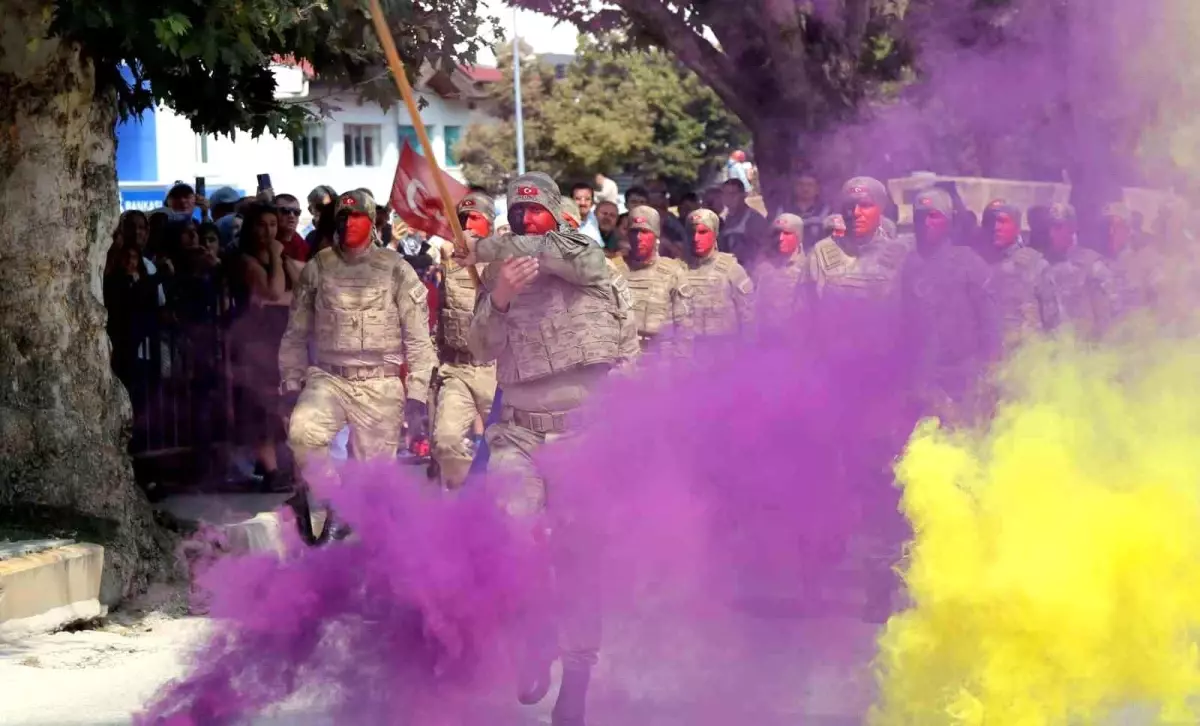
[[199, 188], [264, 187]]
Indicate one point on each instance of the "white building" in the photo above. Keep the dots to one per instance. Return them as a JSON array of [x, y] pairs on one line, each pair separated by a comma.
[[354, 145]]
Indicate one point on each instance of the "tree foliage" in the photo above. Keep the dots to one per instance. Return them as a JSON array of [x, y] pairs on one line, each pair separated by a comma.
[[616, 111], [211, 61]]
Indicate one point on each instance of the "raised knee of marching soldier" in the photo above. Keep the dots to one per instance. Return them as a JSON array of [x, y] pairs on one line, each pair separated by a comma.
[[311, 426], [519, 487]]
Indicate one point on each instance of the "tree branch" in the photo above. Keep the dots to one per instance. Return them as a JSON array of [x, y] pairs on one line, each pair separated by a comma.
[[673, 34]]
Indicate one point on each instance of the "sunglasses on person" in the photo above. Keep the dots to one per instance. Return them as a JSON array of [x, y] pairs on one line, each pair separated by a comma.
[[294, 211]]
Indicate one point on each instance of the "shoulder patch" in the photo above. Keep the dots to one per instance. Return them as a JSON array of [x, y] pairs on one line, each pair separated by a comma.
[[830, 256], [621, 292]]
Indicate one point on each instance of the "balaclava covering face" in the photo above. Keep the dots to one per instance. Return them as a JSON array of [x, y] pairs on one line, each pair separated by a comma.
[[789, 232], [534, 204], [933, 218], [477, 213], [644, 230], [703, 227], [356, 220]]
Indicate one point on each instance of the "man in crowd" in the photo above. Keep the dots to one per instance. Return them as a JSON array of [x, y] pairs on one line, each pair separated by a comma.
[[688, 203], [742, 229], [546, 289], [224, 202], [367, 314], [607, 217], [662, 299], [671, 241], [466, 385], [809, 207], [608, 190], [723, 295], [294, 246], [1077, 289], [182, 202], [778, 276], [737, 169], [636, 196], [1017, 270], [584, 198], [950, 317]]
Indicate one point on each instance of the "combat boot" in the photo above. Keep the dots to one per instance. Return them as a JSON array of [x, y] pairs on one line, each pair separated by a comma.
[[571, 706], [533, 680]]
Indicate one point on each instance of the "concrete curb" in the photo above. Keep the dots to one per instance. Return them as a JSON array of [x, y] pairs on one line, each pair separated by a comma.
[[249, 523], [42, 591]]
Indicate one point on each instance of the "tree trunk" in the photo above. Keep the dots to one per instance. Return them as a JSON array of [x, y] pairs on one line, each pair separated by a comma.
[[777, 158], [63, 415]]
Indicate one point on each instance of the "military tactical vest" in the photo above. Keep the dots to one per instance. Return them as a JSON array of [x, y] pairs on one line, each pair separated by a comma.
[[873, 274], [650, 289], [1074, 297], [714, 310], [778, 289], [554, 327], [458, 308], [1015, 282], [356, 303]]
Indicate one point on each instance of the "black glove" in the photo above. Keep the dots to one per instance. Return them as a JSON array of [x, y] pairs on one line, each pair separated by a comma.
[[416, 414]]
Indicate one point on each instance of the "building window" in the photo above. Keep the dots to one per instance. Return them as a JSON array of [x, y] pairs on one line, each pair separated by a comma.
[[410, 133], [362, 145], [309, 148], [452, 134]]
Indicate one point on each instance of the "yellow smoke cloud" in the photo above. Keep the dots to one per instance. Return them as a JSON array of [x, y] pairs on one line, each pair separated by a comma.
[[1054, 574]]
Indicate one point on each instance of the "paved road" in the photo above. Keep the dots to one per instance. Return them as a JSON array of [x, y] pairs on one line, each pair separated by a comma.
[[101, 677]]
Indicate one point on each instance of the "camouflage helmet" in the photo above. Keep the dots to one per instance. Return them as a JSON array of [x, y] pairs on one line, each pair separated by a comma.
[[1002, 206], [478, 202], [1061, 212], [934, 200], [535, 188], [707, 217], [358, 201], [865, 188], [1115, 209], [570, 213], [645, 218], [786, 222]]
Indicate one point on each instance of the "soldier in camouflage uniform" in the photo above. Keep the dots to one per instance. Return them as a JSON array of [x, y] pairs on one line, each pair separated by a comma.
[[557, 321], [1017, 270], [1130, 280], [662, 298], [865, 263], [367, 313], [1077, 290], [722, 292], [466, 385], [950, 317], [778, 275]]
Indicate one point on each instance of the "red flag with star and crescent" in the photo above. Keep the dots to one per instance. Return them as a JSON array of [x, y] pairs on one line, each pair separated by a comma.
[[415, 194]]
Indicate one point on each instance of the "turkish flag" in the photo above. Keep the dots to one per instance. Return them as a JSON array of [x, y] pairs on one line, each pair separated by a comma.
[[415, 194]]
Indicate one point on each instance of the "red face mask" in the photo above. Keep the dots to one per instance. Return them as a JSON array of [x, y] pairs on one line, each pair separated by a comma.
[[643, 244], [538, 220], [1062, 237], [357, 233], [937, 228], [703, 240], [1005, 231], [478, 224], [867, 218], [789, 242]]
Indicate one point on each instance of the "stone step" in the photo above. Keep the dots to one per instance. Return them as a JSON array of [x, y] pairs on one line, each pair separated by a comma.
[[46, 584], [248, 522]]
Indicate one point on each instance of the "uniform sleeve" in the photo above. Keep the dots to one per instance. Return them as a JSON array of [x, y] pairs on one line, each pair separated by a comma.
[[412, 298], [743, 298], [1047, 303], [628, 348], [1105, 295], [682, 330], [986, 305], [487, 335], [293, 349]]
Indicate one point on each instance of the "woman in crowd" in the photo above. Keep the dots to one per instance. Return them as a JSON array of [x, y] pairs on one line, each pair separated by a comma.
[[259, 286]]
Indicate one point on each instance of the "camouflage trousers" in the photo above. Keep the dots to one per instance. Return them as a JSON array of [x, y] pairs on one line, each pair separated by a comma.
[[374, 409], [463, 393], [522, 493]]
